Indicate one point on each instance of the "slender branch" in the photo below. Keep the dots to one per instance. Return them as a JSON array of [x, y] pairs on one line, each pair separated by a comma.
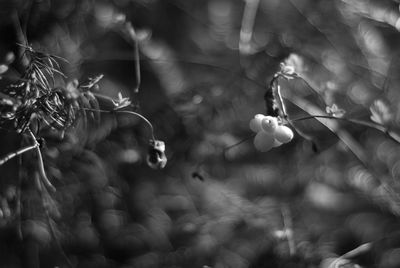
[[392, 135], [42, 171], [237, 143], [343, 135], [19, 152], [141, 117], [126, 112]]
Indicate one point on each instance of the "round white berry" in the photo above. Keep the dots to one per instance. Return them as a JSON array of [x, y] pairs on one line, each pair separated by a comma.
[[269, 124], [283, 134], [263, 141], [255, 123]]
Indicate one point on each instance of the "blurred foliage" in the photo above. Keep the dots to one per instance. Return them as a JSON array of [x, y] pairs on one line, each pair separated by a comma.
[[205, 67]]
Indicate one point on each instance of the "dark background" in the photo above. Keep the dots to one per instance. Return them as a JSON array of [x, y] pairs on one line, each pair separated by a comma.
[[290, 207]]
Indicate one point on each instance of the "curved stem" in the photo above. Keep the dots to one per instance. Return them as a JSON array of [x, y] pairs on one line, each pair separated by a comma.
[[126, 112], [42, 171], [19, 152], [141, 117], [392, 135]]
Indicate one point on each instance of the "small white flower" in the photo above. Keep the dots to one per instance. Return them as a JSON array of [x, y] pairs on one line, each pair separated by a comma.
[[121, 102], [380, 112], [335, 111]]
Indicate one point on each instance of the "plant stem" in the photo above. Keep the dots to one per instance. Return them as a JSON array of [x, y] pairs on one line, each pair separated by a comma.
[[42, 171], [143, 118], [19, 152], [392, 135], [238, 143], [127, 112]]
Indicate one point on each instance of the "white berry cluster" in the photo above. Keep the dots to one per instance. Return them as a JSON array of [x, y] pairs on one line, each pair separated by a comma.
[[270, 132]]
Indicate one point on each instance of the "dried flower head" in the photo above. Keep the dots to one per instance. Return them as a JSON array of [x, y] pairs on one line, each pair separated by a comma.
[[156, 157]]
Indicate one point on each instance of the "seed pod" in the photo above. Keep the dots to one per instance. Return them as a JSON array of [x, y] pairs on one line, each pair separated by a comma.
[[156, 158]]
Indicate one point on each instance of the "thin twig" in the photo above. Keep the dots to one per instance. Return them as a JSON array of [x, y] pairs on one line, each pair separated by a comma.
[[126, 112], [19, 152], [392, 135], [343, 135], [42, 171], [142, 117], [237, 143]]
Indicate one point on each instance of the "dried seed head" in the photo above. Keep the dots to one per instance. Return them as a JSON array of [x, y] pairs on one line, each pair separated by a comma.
[[156, 158]]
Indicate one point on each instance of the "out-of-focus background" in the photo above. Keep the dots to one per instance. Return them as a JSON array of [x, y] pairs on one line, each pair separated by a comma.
[[205, 66]]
